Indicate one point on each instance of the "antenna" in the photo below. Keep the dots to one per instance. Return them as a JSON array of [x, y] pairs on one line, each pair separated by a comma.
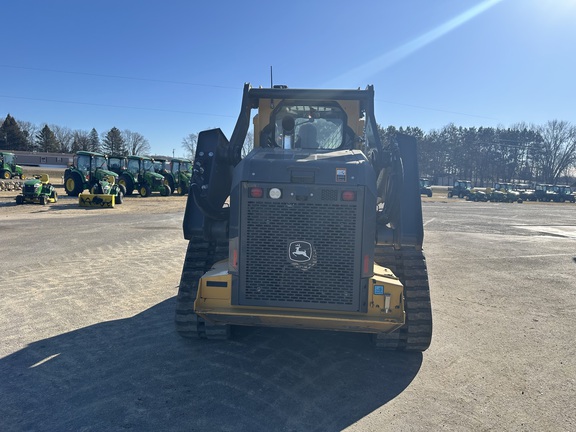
[[271, 80]]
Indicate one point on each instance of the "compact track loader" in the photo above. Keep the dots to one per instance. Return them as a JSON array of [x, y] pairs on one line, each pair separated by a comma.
[[318, 227]]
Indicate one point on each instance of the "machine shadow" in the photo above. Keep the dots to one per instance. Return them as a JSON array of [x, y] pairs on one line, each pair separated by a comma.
[[137, 373]]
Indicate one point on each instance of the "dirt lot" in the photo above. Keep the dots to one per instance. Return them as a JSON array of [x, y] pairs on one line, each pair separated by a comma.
[[88, 341]]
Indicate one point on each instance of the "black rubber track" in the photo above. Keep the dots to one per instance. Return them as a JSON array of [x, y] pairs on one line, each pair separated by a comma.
[[410, 266], [200, 256]]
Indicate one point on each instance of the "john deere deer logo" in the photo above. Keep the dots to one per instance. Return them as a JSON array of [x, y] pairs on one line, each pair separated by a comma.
[[300, 251]]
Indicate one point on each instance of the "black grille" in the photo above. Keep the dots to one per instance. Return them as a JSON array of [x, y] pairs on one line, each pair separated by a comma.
[[28, 189], [329, 195], [329, 280]]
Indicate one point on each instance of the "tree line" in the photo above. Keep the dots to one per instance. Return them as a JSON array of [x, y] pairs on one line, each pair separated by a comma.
[[484, 155], [25, 136], [522, 153]]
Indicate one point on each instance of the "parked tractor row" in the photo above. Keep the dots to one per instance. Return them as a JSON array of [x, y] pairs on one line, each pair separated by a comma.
[[141, 174], [512, 192]]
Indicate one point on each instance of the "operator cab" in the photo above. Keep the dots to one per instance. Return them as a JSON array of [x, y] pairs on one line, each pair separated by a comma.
[[308, 125]]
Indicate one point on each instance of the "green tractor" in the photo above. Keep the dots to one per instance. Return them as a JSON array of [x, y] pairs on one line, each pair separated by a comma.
[[476, 195], [141, 176], [564, 193], [117, 164], [527, 192], [176, 172], [425, 188], [460, 189], [8, 167], [109, 186], [37, 190], [162, 167], [545, 192], [182, 170], [104, 193], [88, 169], [504, 192]]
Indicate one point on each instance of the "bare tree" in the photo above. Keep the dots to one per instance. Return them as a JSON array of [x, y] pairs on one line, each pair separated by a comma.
[[80, 140], [64, 136], [558, 149], [189, 145], [248, 144], [29, 130], [135, 143]]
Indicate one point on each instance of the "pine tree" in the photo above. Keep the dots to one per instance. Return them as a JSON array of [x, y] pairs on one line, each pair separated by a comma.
[[94, 141], [11, 136], [113, 143], [46, 140]]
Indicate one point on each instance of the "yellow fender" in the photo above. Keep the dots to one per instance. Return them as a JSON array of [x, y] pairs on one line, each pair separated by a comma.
[[96, 200]]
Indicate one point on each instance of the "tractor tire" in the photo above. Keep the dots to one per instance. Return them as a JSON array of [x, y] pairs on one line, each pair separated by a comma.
[[145, 191], [183, 189], [19, 199], [170, 184], [42, 200], [126, 182], [122, 189], [54, 196], [74, 185], [119, 197], [450, 195], [6, 175], [165, 191], [200, 256], [410, 267]]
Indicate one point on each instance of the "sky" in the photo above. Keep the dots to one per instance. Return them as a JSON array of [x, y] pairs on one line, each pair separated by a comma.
[[169, 68]]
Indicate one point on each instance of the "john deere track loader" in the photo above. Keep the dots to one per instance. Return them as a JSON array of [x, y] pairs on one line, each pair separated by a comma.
[[318, 227]]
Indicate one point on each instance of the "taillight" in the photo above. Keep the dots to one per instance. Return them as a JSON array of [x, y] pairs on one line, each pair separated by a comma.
[[349, 196], [233, 254], [256, 192], [367, 269]]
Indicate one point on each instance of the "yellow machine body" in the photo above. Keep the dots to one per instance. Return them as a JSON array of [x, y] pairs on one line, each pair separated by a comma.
[[385, 306]]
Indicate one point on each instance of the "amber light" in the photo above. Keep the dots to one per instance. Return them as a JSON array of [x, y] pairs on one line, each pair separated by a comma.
[[256, 192], [348, 196]]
